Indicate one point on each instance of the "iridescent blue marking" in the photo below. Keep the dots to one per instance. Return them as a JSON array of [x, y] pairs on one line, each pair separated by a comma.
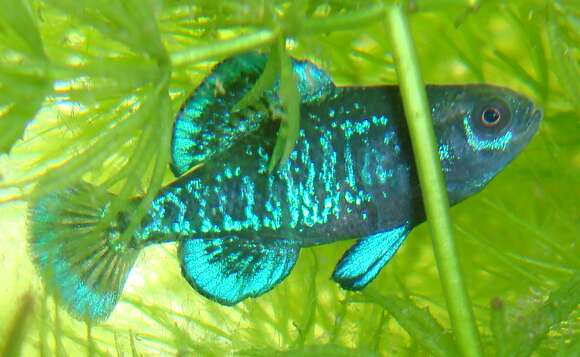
[[444, 153], [495, 144], [313, 83]]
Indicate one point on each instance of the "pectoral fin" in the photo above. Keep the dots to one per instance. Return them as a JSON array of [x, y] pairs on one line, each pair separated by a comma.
[[365, 259], [231, 269]]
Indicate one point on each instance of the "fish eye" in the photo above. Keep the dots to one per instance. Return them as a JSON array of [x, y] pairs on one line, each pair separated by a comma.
[[491, 116]]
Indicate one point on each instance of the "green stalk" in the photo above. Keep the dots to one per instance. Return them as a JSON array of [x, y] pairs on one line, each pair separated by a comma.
[[344, 22], [16, 332], [432, 182], [224, 48]]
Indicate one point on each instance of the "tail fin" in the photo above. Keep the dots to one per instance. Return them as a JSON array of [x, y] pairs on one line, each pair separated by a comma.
[[78, 262]]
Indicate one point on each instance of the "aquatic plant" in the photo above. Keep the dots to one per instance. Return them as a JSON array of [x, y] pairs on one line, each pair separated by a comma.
[[103, 81]]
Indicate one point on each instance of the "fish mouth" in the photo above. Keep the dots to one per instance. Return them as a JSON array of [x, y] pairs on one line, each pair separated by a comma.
[[535, 116], [536, 119], [538, 114], [527, 128]]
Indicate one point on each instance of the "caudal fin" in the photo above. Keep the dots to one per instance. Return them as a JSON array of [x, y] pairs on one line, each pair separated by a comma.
[[77, 261]]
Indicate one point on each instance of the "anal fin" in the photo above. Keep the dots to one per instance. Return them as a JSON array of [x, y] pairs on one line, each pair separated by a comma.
[[231, 269], [365, 259]]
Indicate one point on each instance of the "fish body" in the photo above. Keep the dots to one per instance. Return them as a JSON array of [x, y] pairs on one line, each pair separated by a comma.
[[350, 174], [240, 227]]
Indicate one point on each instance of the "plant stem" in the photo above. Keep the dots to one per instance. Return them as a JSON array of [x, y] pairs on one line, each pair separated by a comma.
[[433, 186], [344, 22], [17, 330], [223, 48]]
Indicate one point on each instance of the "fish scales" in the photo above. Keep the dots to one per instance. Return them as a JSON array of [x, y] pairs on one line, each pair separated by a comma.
[[351, 162]]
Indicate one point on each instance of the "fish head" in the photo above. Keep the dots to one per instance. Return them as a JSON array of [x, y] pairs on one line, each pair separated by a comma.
[[479, 129]]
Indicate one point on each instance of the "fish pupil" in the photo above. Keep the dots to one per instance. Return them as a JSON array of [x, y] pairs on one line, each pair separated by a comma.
[[490, 116]]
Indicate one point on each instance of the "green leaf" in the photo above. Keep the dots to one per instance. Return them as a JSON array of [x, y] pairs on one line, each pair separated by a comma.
[[16, 14], [22, 90], [16, 331], [290, 124], [419, 323], [528, 331], [498, 327], [265, 82], [131, 22], [328, 350], [134, 351], [571, 349], [564, 46]]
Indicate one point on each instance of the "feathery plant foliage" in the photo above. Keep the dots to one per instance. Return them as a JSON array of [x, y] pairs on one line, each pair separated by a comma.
[[92, 87]]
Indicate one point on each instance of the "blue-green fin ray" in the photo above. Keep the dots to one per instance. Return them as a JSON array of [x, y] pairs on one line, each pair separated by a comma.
[[365, 259], [233, 101], [75, 258], [206, 124], [231, 269]]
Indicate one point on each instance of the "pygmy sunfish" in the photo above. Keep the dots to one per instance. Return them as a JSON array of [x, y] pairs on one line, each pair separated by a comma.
[[239, 226]]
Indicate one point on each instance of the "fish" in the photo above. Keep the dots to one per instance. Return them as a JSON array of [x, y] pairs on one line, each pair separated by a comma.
[[239, 226]]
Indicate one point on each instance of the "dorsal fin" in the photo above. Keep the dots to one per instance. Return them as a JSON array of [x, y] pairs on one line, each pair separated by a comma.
[[206, 124]]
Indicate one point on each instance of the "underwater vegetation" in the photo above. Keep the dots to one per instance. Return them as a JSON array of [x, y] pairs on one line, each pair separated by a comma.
[[90, 89]]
